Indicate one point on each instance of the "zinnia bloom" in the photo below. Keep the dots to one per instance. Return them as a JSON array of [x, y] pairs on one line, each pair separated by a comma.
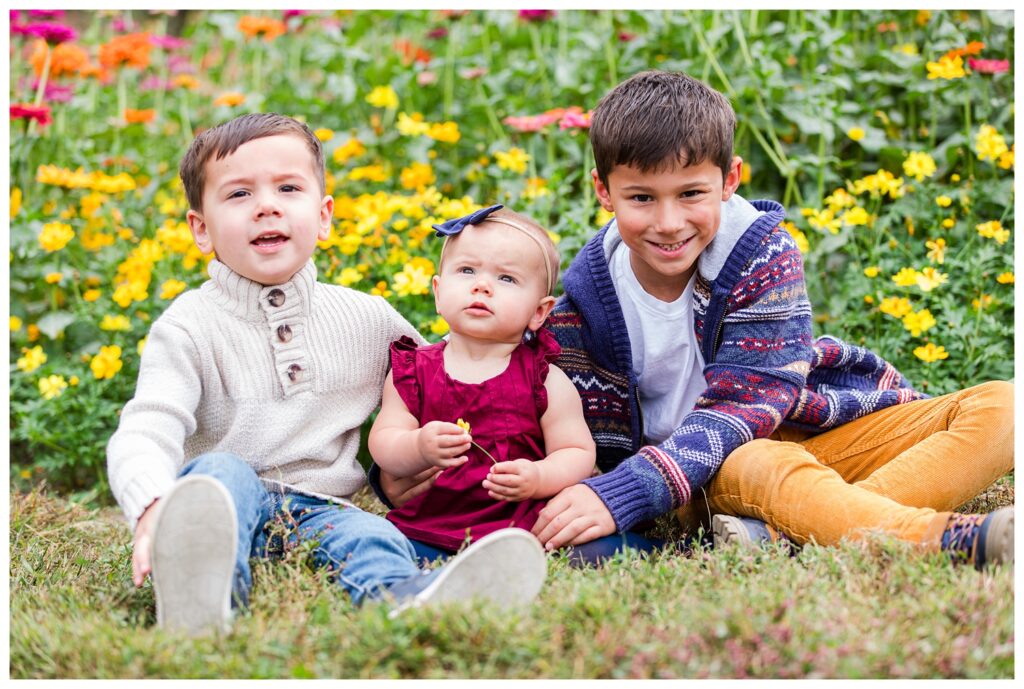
[[66, 58], [268, 28], [53, 34], [946, 68], [988, 66], [23, 111], [230, 99], [129, 50], [139, 116], [990, 143], [536, 15]]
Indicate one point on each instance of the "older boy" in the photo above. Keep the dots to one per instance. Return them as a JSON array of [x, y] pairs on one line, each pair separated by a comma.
[[686, 327], [260, 380]]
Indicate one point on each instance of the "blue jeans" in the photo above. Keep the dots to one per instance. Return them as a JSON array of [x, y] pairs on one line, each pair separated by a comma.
[[593, 553], [366, 552]]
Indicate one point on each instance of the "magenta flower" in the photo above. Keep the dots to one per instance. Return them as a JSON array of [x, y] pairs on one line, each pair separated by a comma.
[[54, 93], [288, 14], [168, 42], [536, 15], [575, 120], [437, 32], [988, 66], [51, 33], [39, 113], [180, 64], [626, 37], [46, 14]]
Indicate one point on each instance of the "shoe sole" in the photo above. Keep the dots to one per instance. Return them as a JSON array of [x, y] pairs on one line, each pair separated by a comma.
[[999, 538], [482, 572], [727, 529], [193, 556]]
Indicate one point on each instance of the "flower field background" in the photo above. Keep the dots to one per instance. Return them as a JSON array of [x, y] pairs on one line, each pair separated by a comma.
[[888, 136]]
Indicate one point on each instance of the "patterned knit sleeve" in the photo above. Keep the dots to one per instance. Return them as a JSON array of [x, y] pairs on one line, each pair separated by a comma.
[[761, 365]]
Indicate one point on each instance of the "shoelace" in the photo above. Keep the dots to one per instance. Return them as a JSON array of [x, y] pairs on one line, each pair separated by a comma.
[[961, 536]]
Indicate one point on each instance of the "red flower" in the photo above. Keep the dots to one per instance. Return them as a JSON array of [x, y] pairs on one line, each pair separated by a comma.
[[23, 111], [988, 66], [536, 15]]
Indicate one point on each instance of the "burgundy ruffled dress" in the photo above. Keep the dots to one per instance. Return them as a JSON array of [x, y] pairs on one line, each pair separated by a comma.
[[504, 415]]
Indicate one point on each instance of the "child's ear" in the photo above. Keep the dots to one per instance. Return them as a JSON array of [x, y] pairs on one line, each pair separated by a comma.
[[434, 282], [732, 178], [200, 233], [604, 197], [541, 314], [326, 214]]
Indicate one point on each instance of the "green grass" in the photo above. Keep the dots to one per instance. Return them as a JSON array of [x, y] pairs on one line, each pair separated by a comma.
[[874, 610]]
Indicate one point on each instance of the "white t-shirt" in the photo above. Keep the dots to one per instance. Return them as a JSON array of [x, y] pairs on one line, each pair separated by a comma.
[[666, 358]]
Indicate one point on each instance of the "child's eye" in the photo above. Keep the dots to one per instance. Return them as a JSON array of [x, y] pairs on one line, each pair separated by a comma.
[[642, 198], [464, 270], [507, 278], [237, 194], [289, 187], [692, 193]]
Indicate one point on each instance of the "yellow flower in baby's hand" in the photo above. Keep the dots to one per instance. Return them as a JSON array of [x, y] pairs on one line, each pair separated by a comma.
[[464, 425]]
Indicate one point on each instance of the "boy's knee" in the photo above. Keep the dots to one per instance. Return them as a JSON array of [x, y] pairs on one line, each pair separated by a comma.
[[229, 469]]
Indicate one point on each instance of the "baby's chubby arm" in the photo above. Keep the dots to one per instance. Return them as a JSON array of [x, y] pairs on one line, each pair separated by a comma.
[[402, 448], [571, 451]]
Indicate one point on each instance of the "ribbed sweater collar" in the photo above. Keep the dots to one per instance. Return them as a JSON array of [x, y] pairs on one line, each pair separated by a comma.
[[248, 300]]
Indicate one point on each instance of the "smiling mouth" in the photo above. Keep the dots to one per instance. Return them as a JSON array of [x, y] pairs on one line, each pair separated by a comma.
[[669, 248], [269, 239]]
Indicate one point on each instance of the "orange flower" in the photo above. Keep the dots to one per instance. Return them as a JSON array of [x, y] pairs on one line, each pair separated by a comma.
[[129, 50], [133, 116], [972, 48], [230, 99], [410, 52], [254, 27], [186, 81], [67, 58]]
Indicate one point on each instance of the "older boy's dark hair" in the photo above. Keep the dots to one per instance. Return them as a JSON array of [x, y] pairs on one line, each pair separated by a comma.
[[655, 119], [225, 138]]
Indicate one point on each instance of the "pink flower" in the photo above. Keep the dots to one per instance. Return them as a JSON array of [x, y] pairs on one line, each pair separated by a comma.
[[536, 15], [23, 111], [288, 14], [626, 37], [51, 33], [46, 14], [988, 66], [574, 120], [534, 123], [179, 64], [437, 32], [473, 73], [168, 42], [426, 78], [54, 93]]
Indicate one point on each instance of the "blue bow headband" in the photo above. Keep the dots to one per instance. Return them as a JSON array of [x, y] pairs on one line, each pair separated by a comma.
[[459, 224], [454, 227]]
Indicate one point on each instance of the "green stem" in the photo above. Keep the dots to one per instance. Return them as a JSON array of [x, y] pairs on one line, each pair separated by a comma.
[[41, 89], [492, 117], [609, 49], [484, 451], [967, 134], [449, 75]]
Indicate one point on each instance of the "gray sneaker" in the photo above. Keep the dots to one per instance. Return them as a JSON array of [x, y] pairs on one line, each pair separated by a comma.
[[193, 556], [505, 569]]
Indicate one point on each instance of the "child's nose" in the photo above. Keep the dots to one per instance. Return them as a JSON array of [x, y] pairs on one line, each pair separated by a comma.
[[482, 284], [266, 204]]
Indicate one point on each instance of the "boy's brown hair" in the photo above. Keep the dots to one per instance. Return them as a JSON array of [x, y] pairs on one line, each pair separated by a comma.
[[655, 119], [225, 138]]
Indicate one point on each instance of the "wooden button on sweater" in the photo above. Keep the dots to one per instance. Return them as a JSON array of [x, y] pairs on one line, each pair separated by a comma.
[[275, 297]]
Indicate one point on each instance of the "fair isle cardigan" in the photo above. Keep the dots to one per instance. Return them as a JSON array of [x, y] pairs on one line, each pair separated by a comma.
[[752, 321]]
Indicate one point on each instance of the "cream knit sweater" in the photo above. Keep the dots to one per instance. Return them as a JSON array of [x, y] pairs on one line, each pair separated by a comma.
[[282, 376]]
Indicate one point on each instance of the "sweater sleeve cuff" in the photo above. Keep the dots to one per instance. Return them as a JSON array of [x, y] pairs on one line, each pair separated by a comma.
[[140, 493], [633, 492]]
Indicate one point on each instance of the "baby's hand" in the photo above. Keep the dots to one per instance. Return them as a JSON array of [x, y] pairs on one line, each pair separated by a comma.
[[514, 481], [443, 444]]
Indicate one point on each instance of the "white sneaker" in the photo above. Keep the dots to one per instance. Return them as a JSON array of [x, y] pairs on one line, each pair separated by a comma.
[[193, 556], [505, 569]]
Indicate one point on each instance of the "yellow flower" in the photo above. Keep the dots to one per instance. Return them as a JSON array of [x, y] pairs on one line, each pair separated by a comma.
[[514, 159], [383, 97], [943, 201], [52, 386], [73, 381], [905, 48], [868, 299], [118, 322], [171, 288], [993, 230], [897, 307], [930, 353], [1006, 161], [929, 278], [1005, 279], [464, 425], [919, 165], [535, 188], [350, 149], [824, 220], [871, 271], [348, 277], [107, 363], [324, 134], [32, 331], [948, 223], [371, 173], [55, 236], [411, 125], [33, 359], [839, 199], [417, 175], [799, 237], [856, 216], [907, 277], [936, 250], [603, 217], [855, 133], [983, 303], [231, 98], [990, 143], [445, 132], [381, 290], [15, 201], [413, 280], [439, 326], [918, 322], [948, 67], [15, 324], [53, 278]]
